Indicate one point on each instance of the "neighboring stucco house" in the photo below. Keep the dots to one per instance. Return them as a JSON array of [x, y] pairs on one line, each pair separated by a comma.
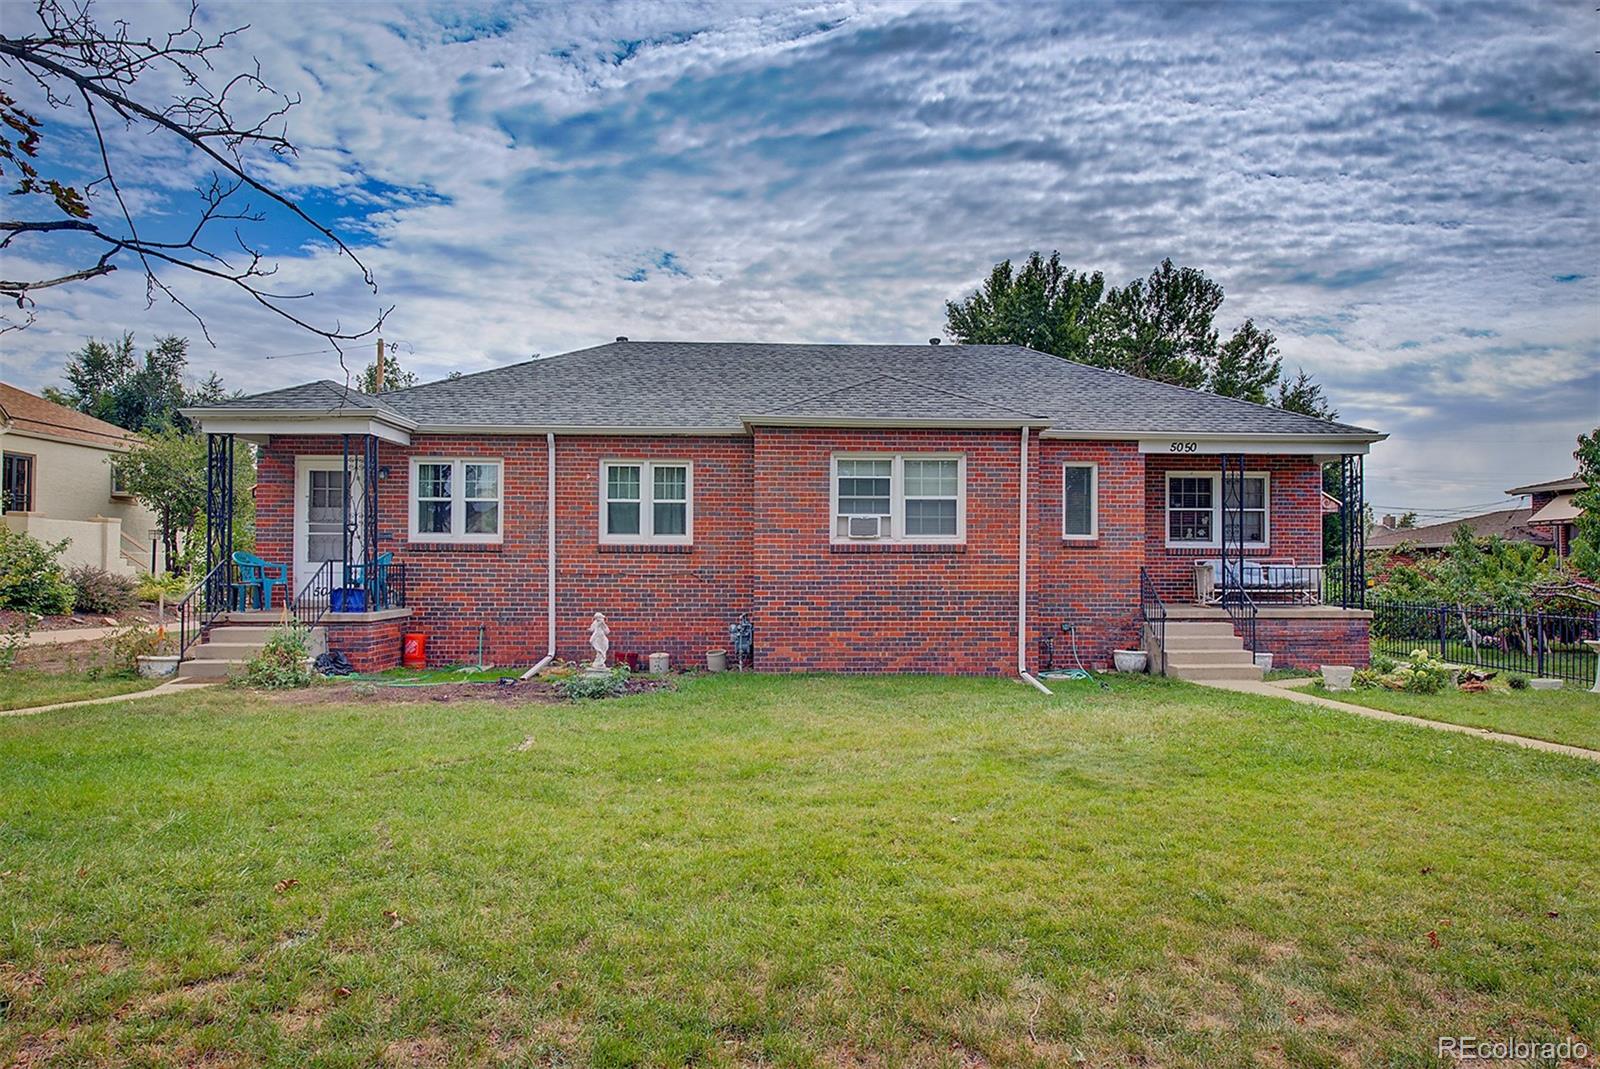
[[972, 509], [55, 483]]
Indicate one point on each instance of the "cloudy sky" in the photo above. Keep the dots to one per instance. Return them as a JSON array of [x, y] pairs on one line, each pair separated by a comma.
[[1404, 194]]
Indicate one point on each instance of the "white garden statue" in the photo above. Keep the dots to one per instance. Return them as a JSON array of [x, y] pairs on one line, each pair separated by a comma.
[[600, 640]]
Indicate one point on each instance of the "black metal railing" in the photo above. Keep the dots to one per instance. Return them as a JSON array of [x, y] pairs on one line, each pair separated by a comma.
[[335, 587], [1525, 641], [1153, 614], [1242, 610], [315, 597], [205, 601]]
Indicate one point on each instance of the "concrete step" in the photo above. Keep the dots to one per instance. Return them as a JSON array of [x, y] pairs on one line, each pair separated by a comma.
[[1200, 627], [241, 633], [1209, 659], [1180, 640], [209, 669], [225, 650], [1203, 673]]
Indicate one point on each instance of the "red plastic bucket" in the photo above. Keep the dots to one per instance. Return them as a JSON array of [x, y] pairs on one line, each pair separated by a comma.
[[414, 653]]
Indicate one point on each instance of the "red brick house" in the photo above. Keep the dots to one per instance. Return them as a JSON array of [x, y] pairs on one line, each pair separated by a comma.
[[872, 508]]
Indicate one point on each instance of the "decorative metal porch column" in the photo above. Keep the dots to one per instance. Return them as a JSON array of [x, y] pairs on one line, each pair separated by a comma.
[[219, 521], [1352, 565], [1232, 520], [360, 513]]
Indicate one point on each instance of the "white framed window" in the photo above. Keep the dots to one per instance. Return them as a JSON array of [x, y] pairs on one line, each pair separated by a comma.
[[1200, 509], [647, 501], [899, 497], [455, 499], [1080, 501], [119, 483]]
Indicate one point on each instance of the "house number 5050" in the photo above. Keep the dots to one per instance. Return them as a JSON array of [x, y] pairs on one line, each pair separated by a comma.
[[1182, 447]]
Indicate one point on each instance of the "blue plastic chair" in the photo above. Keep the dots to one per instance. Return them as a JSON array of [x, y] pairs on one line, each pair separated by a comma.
[[377, 590], [256, 580]]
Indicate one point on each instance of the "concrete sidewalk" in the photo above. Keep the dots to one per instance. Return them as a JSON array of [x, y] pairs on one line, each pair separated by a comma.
[[68, 634], [1286, 688], [163, 689]]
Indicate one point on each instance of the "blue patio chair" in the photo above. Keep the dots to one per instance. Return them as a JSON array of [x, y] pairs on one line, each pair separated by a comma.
[[256, 580], [373, 579]]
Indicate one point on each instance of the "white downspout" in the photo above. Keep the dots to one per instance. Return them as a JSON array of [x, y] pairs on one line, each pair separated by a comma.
[[550, 555], [1022, 567]]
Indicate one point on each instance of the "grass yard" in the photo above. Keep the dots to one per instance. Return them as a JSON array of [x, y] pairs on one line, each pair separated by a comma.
[[1570, 715], [24, 687], [808, 871]]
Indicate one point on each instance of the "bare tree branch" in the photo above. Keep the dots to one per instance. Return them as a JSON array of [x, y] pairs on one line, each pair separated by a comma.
[[75, 61]]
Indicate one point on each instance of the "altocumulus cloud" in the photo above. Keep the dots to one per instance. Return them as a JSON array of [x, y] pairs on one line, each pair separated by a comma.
[[1402, 193]]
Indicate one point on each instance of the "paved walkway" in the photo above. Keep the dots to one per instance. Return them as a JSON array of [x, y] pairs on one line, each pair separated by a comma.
[[165, 688], [1286, 688], [68, 634]]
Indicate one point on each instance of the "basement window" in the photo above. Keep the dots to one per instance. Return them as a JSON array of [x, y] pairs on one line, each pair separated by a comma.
[[647, 502], [909, 497]]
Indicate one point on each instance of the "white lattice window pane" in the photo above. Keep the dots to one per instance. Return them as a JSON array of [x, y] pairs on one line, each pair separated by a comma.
[[671, 483], [931, 478], [482, 481]]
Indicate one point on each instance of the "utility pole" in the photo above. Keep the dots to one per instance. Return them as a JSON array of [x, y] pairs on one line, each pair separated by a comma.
[[377, 378]]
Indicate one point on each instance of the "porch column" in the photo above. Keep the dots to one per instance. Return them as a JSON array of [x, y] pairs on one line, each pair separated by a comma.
[[219, 521], [1352, 571]]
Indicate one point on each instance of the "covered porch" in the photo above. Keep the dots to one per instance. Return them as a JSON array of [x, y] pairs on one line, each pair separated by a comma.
[[321, 553]]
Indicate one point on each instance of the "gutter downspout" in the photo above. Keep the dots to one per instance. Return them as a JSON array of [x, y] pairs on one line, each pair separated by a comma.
[[550, 556], [1022, 567]]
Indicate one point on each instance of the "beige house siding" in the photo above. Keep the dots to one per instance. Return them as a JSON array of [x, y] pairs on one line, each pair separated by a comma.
[[71, 498]]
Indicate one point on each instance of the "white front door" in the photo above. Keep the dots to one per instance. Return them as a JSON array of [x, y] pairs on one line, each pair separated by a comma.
[[319, 515]]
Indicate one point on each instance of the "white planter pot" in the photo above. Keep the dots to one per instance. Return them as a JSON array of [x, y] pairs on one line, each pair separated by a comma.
[[1130, 660], [716, 660], [1546, 684], [658, 664], [157, 667], [1338, 676], [1264, 661]]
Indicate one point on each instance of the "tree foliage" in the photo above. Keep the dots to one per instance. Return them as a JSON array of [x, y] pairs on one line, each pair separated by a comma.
[[1161, 327], [187, 95], [107, 380], [394, 376], [1585, 556], [167, 473]]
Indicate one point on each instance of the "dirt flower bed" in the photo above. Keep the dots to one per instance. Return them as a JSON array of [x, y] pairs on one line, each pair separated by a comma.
[[144, 613], [532, 692]]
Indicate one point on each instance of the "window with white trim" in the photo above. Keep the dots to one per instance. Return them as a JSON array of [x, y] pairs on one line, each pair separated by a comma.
[[906, 497], [1199, 508], [1080, 507], [645, 501], [456, 499]]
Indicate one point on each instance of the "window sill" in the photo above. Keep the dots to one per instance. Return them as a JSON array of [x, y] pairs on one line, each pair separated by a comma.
[[454, 547], [1190, 548], [897, 547], [644, 547], [1085, 541]]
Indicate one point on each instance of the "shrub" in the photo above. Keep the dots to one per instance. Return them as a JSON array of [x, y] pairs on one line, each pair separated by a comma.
[[282, 663], [1426, 674], [31, 579], [1517, 682], [99, 591], [579, 687], [126, 645], [153, 587], [1383, 665], [1368, 678]]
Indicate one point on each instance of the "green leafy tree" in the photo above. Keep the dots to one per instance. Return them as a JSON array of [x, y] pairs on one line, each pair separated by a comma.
[[1043, 306], [1585, 555], [1247, 365], [394, 376], [167, 473], [1161, 327], [107, 380]]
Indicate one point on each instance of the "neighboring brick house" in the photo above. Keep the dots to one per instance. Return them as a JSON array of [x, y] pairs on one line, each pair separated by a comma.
[[1554, 514], [873, 508]]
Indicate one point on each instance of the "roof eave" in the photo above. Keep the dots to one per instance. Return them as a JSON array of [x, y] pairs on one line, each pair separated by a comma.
[[394, 419], [897, 423]]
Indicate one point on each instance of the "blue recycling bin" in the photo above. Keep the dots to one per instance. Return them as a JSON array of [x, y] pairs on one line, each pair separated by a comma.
[[347, 599]]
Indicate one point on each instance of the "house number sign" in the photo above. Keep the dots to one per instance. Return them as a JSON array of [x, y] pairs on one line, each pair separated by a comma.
[[1182, 447]]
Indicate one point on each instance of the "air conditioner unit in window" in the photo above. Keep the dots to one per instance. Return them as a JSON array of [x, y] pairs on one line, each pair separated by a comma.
[[866, 526]]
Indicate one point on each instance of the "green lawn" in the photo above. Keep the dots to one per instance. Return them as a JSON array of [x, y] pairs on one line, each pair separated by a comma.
[[1570, 715], [21, 688], [798, 871]]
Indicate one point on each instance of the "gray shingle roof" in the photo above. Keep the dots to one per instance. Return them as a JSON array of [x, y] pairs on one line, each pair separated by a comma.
[[324, 395], [1509, 524], [716, 385], [888, 397]]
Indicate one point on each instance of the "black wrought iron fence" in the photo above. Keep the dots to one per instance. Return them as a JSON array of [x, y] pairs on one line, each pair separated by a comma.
[[1530, 642]]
